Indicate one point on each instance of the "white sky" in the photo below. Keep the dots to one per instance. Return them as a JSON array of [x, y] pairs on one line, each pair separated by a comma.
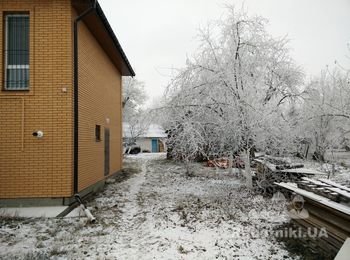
[[157, 35]]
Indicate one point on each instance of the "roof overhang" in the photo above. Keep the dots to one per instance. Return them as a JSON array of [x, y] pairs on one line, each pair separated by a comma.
[[99, 26]]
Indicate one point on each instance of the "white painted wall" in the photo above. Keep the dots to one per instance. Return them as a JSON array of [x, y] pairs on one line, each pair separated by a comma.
[[146, 143]]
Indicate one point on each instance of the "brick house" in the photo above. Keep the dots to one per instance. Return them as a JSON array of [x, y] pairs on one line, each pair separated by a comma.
[[60, 100]]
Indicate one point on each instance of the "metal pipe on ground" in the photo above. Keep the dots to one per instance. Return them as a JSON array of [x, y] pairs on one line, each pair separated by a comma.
[[87, 212]]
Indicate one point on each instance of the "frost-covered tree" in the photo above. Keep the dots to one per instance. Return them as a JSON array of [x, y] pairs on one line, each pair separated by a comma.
[[232, 94], [134, 97], [325, 115]]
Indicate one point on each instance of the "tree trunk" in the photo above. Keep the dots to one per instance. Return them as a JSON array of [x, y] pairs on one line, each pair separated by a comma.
[[247, 170], [230, 162], [318, 155], [187, 167]]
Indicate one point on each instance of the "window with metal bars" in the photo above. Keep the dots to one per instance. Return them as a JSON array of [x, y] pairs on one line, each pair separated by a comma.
[[16, 51]]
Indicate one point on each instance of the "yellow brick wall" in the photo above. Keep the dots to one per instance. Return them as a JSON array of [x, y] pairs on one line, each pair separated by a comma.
[[31, 167], [99, 100]]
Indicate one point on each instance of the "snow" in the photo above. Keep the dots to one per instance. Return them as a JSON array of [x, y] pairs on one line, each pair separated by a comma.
[[319, 183], [304, 171], [76, 212], [341, 171], [341, 192], [325, 201], [344, 252], [332, 183], [32, 212], [145, 156], [153, 210]]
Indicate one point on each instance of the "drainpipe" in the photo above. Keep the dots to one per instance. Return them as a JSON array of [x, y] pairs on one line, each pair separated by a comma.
[[76, 94], [83, 208]]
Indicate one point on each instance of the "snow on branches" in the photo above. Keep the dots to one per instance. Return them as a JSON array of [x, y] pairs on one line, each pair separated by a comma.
[[231, 95]]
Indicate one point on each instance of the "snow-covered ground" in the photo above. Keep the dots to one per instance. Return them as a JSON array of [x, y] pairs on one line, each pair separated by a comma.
[[153, 210], [36, 212], [341, 161]]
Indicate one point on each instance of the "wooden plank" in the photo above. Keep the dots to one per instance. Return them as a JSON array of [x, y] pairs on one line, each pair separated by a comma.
[[334, 191], [332, 183], [289, 166], [341, 192], [316, 182], [320, 199], [268, 165], [332, 242], [303, 171]]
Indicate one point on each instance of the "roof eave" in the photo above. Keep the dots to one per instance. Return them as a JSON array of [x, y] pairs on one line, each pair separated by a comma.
[[108, 27], [97, 23]]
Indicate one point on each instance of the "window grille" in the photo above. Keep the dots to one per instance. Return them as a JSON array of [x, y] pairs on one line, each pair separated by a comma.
[[17, 51]]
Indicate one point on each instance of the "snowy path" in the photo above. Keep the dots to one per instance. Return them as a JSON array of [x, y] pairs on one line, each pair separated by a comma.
[[155, 212], [133, 234], [132, 208]]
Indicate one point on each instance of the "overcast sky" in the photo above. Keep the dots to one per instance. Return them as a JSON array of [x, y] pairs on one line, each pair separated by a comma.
[[158, 35]]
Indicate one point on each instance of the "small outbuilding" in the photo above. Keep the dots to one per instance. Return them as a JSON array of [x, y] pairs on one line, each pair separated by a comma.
[[151, 139]]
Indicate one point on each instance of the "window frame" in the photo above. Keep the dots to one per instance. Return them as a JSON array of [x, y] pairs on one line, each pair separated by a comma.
[[6, 43]]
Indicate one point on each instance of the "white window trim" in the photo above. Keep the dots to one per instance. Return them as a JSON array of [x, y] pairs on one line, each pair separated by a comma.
[[26, 66]]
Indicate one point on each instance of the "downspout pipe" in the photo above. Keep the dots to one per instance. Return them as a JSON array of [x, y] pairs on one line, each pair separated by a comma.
[[83, 208], [76, 94]]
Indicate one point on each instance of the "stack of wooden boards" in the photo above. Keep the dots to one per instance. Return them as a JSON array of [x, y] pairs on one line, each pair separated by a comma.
[[328, 205], [326, 188], [268, 171]]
